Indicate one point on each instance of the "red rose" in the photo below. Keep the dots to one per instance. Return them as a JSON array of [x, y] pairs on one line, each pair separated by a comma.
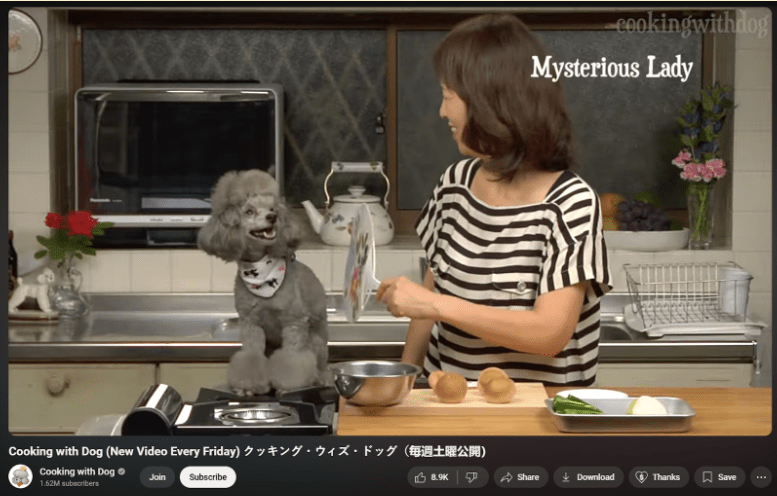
[[81, 222], [55, 221]]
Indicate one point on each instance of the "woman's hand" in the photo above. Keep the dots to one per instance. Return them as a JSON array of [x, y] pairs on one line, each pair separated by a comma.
[[404, 298]]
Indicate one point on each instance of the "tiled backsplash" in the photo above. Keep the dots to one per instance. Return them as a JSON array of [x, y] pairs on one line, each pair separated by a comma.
[[193, 271]]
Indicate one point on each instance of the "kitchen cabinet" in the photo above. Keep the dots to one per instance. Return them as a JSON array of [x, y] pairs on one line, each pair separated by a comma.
[[188, 378], [53, 398], [674, 374]]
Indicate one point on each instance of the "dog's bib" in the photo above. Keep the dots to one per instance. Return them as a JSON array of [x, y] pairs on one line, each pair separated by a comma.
[[263, 278]]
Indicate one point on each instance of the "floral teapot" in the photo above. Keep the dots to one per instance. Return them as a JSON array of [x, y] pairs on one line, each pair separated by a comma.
[[333, 225]]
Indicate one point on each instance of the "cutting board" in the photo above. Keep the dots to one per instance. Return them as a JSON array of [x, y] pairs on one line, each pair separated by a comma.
[[529, 399]]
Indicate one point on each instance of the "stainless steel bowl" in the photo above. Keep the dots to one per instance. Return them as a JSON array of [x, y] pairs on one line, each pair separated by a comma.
[[374, 383]]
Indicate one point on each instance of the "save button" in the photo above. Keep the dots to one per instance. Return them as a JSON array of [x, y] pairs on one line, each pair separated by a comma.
[[210, 477]]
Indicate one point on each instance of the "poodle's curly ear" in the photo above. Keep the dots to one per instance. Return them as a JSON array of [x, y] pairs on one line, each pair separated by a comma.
[[230, 216], [220, 236], [220, 239], [221, 196]]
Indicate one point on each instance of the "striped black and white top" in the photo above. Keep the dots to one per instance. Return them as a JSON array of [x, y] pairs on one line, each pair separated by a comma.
[[506, 257]]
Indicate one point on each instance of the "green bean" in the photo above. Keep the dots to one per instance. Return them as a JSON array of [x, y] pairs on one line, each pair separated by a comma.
[[574, 405], [569, 411]]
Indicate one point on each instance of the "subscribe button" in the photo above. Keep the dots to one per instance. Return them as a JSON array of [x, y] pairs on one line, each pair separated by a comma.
[[208, 477]]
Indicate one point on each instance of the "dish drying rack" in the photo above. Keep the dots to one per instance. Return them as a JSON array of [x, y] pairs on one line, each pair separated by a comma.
[[689, 298]]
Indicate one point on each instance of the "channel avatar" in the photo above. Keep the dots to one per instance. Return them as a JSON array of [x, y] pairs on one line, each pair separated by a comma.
[[20, 476]]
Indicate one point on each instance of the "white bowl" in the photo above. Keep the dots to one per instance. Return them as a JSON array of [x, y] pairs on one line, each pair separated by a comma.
[[646, 240]]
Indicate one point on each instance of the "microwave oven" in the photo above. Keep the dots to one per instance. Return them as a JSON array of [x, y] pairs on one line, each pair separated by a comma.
[[148, 154]]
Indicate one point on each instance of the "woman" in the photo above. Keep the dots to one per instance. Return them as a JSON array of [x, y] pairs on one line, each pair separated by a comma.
[[517, 261]]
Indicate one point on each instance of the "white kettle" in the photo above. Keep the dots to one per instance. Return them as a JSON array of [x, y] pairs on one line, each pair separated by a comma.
[[333, 225]]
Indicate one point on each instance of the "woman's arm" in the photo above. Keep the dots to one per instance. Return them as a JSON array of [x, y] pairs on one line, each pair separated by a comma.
[[544, 330], [418, 332]]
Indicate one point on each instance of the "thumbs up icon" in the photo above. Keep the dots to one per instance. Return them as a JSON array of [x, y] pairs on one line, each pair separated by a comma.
[[420, 478]]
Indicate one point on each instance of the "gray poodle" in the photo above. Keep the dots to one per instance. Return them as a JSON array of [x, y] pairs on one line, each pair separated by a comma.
[[280, 302]]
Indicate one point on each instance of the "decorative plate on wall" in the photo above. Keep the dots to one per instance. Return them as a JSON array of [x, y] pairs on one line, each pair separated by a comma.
[[25, 41]]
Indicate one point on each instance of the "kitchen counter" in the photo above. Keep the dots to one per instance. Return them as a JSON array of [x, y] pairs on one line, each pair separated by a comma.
[[719, 412], [170, 327]]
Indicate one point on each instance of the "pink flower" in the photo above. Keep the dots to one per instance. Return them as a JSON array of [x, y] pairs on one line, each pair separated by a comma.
[[691, 172], [705, 171], [681, 159], [717, 166]]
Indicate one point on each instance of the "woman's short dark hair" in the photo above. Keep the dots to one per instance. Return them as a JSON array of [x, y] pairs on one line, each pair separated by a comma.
[[511, 117]]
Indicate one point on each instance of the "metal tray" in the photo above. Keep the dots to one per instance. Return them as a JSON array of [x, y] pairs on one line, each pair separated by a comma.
[[615, 419]]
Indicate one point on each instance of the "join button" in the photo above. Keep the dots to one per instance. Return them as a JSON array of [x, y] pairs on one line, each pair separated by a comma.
[[157, 477], [208, 477]]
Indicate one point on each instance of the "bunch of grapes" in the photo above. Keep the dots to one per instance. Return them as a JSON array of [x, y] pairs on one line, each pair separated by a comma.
[[641, 216]]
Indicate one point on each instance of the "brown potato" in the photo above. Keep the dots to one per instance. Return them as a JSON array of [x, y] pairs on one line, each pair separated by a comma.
[[434, 377], [488, 375], [451, 388], [499, 390]]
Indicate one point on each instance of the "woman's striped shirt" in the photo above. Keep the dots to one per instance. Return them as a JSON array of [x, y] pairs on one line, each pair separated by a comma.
[[505, 257]]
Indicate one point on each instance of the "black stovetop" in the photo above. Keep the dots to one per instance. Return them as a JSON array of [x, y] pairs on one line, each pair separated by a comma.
[[310, 411]]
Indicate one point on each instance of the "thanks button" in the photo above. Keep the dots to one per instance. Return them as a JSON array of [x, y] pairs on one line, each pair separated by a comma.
[[208, 477], [659, 477]]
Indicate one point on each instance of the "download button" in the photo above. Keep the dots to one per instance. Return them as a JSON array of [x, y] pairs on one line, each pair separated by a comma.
[[588, 477]]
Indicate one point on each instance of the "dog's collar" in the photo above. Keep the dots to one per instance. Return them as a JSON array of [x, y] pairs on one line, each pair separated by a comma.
[[263, 278]]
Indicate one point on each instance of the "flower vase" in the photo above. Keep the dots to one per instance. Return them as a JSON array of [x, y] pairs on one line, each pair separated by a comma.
[[66, 298], [700, 196]]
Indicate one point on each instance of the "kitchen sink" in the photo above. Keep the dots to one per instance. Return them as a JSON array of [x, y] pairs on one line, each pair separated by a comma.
[[150, 320], [154, 325], [166, 318], [339, 332], [614, 333], [225, 327], [204, 327]]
